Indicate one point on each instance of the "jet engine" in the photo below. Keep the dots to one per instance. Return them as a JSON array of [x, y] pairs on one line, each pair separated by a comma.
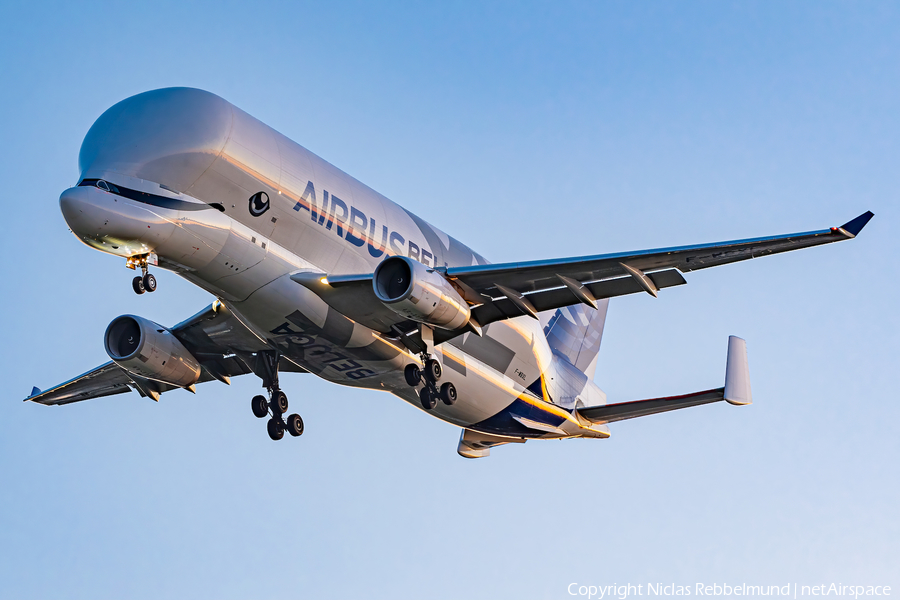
[[412, 290], [149, 350]]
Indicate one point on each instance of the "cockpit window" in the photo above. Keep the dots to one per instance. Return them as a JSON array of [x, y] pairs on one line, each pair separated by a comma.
[[146, 198], [100, 184]]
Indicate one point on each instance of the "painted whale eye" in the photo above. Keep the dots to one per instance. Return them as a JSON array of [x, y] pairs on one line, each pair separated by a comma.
[[259, 203]]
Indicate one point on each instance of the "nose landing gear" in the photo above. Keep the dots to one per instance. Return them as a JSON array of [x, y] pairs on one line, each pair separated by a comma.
[[145, 282], [277, 403]]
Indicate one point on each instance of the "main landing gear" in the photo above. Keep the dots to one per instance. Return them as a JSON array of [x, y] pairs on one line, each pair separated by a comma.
[[277, 403], [145, 282], [430, 376]]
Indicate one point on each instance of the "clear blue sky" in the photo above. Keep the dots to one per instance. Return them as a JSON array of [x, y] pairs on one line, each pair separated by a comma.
[[528, 131]]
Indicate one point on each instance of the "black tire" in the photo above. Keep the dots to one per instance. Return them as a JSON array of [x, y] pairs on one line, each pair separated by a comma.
[[413, 375], [275, 428], [279, 402], [138, 284], [427, 398], [294, 425], [448, 394], [260, 406], [433, 370], [149, 282]]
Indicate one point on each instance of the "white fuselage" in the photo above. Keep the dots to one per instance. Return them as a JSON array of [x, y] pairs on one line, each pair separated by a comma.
[[236, 208]]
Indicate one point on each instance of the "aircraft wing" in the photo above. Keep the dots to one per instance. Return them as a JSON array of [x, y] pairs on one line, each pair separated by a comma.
[[105, 380], [502, 291], [736, 391], [222, 345], [540, 276]]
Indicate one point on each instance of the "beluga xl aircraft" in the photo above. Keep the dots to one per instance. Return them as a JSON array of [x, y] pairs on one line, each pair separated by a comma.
[[313, 272]]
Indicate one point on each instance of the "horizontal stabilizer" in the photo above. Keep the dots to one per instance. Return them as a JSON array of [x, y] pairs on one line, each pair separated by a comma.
[[642, 408], [736, 391], [473, 444]]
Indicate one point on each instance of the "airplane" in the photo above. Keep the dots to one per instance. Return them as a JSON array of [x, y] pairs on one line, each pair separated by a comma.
[[313, 272]]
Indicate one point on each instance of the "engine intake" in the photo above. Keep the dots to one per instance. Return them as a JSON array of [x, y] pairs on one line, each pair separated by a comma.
[[149, 350], [411, 290]]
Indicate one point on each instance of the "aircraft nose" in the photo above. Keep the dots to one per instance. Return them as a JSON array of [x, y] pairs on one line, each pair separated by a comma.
[[79, 212]]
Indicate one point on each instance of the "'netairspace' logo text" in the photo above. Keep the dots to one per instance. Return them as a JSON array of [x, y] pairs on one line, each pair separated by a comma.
[[791, 590]]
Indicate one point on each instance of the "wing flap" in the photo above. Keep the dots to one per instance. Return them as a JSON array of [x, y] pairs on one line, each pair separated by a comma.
[[550, 299]]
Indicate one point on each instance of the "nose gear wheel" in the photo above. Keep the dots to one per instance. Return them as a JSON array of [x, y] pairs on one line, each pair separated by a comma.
[[145, 282]]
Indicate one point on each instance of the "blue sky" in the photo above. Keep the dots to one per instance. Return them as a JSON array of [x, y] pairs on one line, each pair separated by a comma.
[[527, 130]]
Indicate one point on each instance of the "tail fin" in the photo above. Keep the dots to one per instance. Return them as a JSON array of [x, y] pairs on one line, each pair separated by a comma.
[[575, 332]]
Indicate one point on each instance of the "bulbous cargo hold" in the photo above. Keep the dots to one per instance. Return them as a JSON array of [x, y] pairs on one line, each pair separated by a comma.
[[416, 292], [169, 136], [149, 350]]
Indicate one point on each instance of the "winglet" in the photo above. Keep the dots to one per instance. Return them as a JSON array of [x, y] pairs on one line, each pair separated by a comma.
[[34, 392], [856, 225], [737, 373]]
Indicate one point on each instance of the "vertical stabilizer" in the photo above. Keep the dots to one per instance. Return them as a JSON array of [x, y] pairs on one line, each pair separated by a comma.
[[574, 332]]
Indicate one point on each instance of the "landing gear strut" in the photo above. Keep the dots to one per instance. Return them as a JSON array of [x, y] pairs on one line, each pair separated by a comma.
[[145, 282], [277, 403]]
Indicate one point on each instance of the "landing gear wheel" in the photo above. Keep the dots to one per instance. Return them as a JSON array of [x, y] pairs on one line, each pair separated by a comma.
[[149, 282], [279, 402], [260, 406], [426, 396], [448, 393], [276, 429], [295, 425], [138, 284], [432, 370], [413, 375]]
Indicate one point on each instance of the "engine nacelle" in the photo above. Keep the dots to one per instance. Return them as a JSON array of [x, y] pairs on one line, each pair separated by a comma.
[[409, 289], [148, 350]]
